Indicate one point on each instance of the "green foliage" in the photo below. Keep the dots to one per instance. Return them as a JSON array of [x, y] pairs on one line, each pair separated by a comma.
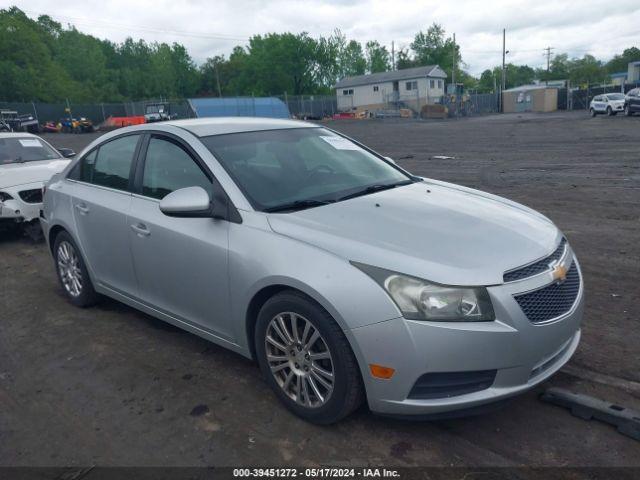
[[378, 58], [432, 48], [40, 60]]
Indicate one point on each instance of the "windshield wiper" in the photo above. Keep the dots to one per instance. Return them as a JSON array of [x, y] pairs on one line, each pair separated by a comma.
[[298, 205], [374, 188]]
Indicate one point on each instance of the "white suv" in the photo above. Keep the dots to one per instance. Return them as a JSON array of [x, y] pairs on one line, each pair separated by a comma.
[[609, 103]]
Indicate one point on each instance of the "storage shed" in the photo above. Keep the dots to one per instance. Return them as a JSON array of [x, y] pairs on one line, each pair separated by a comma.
[[239, 107], [530, 98]]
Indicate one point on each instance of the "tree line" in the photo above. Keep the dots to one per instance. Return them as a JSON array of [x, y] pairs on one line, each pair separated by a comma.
[[40, 60]]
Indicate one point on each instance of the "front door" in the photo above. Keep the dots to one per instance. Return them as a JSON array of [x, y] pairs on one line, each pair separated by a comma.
[[101, 202], [181, 263]]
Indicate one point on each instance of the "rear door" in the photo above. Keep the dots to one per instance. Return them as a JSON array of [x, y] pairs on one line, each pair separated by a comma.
[[181, 263], [101, 202]]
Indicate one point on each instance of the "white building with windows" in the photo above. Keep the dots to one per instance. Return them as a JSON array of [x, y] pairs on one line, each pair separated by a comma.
[[411, 87]]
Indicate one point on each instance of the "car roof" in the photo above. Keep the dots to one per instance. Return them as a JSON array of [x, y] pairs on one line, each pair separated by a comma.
[[17, 135], [203, 127]]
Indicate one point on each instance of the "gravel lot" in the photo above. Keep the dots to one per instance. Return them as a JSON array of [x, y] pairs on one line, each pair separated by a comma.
[[112, 386]]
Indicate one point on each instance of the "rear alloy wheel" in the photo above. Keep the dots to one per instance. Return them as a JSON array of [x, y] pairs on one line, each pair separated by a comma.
[[306, 359], [72, 272], [592, 112]]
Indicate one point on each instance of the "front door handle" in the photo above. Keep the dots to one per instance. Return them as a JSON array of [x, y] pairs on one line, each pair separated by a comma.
[[141, 230], [82, 208]]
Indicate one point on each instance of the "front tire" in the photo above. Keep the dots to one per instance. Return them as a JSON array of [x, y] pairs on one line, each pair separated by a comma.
[[627, 111], [610, 112], [306, 359], [72, 272]]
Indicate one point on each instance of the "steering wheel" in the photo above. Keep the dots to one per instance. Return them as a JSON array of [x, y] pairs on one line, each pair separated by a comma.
[[320, 169]]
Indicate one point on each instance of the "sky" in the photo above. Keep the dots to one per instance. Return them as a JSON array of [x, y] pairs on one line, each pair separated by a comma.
[[207, 28]]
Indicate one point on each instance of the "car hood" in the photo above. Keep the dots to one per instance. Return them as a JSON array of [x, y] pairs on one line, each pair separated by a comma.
[[30, 172], [433, 230]]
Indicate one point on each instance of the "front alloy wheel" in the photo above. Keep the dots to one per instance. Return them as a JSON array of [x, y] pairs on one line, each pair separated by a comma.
[[299, 359], [306, 358]]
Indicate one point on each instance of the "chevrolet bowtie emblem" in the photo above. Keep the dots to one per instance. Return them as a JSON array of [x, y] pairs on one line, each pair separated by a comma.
[[559, 273]]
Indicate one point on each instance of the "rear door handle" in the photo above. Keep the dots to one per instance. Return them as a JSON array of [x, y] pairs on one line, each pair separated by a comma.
[[141, 230], [82, 208]]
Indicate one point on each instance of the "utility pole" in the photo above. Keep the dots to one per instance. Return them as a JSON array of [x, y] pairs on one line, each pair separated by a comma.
[[504, 76], [453, 69], [548, 55], [218, 81], [393, 55]]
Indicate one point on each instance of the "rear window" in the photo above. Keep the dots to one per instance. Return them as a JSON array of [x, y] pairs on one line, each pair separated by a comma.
[[26, 149], [110, 164]]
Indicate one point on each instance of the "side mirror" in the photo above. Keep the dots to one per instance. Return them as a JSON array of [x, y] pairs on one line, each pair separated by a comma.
[[187, 202], [389, 159], [67, 152]]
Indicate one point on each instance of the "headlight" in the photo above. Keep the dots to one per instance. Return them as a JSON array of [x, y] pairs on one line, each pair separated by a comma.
[[422, 300]]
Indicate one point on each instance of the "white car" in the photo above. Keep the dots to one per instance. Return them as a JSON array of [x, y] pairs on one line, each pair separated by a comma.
[[609, 103], [26, 163]]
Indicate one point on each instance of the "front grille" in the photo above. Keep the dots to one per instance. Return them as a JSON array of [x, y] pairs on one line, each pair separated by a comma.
[[535, 267], [31, 196], [553, 300], [451, 384]]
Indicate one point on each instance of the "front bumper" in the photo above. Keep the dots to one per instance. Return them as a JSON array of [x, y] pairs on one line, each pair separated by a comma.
[[16, 208], [521, 353]]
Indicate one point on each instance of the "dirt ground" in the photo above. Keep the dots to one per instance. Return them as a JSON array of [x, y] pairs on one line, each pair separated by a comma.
[[112, 386]]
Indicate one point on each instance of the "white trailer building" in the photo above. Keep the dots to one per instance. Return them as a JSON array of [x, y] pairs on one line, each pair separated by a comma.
[[411, 87]]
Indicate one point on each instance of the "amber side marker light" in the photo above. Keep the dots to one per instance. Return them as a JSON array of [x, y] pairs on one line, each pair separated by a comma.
[[378, 371]]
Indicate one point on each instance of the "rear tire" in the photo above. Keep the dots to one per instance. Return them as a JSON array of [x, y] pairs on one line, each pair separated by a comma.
[[72, 272], [592, 112], [292, 369]]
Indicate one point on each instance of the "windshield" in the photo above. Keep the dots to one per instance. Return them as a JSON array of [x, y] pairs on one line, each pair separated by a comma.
[[615, 96], [303, 167], [26, 149]]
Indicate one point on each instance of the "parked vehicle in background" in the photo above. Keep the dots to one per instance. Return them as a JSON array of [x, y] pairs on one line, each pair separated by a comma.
[[632, 102], [157, 112], [342, 274], [76, 125], [26, 162], [608, 103], [11, 121]]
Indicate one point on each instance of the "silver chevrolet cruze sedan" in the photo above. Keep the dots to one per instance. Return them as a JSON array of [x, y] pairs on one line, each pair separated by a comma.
[[343, 275]]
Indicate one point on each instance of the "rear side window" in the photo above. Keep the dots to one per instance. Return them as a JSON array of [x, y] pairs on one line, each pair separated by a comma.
[[110, 165], [169, 167], [84, 170]]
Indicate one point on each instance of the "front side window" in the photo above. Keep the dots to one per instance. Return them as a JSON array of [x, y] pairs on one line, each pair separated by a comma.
[[279, 167], [27, 149], [110, 165], [168, 167]]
